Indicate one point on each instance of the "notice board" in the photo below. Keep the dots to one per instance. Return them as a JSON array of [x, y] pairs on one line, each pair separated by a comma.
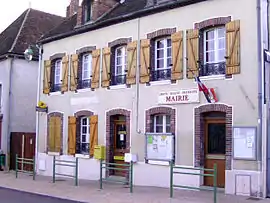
[[244, 143], [159, 147]]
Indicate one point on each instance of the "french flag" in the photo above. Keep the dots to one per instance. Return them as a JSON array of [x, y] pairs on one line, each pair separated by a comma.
[[209, 94]]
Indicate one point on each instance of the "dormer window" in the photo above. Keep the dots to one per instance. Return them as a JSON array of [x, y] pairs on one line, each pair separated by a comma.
[[87, 11]]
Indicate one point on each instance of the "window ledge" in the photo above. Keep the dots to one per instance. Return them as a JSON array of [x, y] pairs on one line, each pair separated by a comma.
[[212, 77], [53, 153], [162, 82], [83, 156], [116, 87], [84, 90], [55, 93]]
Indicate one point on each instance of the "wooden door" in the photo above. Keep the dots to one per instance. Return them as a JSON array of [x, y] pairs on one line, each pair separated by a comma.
[[215, 149], [120, 145], [0, 132], [29, 149]]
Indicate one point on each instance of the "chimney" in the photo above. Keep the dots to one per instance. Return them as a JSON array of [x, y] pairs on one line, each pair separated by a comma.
[[72, 8]]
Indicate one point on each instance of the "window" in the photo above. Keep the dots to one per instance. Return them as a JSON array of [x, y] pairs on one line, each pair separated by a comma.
[[87, 11], [120, 62], [86, 70], [163, 60], [57, 75], [84, 135], [161, 123], [214, 51]]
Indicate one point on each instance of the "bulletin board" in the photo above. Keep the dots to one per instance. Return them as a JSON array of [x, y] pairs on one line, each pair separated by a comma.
[[244, 143], [159, 147]]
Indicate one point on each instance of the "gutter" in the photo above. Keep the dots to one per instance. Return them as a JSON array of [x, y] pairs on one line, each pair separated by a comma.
[[38, 99], [260, 97], [119, 19], [138, 77]]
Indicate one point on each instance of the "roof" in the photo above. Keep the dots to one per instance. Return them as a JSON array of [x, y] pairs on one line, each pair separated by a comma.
[[128, 10], [26, 30]]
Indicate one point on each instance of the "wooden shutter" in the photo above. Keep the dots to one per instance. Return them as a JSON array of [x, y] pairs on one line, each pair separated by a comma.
[[74, 72], [106, 67], [132, 62], [192, 53], [47, 77], [64, 85], [145, 61], [177, 55], [51, 144], [95, 68], [71, 135], [233, 47], [93, 133], [58, 132]]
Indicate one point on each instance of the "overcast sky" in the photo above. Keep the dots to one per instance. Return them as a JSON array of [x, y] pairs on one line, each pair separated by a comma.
[[12, 9]]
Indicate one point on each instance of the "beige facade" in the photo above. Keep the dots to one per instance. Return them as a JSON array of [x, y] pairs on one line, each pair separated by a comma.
[[237, 94]]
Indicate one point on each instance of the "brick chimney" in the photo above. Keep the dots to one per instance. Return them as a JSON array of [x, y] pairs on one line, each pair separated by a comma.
[[72, 8], [98, 7]]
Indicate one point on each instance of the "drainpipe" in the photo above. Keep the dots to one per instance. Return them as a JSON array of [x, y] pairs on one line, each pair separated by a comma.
[[138, 78], [260, 100], [38, 99], [10, 67]]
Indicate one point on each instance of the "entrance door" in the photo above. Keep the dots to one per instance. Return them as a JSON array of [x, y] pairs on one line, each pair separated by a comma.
[[119, 146], [215, 149]]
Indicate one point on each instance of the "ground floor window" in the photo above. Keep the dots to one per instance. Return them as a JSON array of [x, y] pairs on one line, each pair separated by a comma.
[[84, 141], [161, 123]]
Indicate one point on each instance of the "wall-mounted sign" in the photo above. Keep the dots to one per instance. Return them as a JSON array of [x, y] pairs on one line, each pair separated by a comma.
[[183, 96]]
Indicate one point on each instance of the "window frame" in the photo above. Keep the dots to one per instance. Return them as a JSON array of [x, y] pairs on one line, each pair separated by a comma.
[[87, 11], [89, 65], [216, 44], [165, 65], [123, 56], [87, 134], [58, 61], [164, 123]]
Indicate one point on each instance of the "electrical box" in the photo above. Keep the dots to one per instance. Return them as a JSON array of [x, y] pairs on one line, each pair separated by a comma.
[[100, 152]]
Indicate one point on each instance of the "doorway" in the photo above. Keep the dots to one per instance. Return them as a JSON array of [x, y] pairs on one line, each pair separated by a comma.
[[215, 149]]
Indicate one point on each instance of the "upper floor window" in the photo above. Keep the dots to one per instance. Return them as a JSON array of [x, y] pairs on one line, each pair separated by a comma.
[[120, 64], [57, 75], [214, 43], [163, 60], [86, 70], [87, 10], [84, 135], [161, 123]]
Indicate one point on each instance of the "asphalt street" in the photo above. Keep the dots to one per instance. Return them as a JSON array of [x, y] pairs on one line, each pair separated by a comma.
[[14, 196]]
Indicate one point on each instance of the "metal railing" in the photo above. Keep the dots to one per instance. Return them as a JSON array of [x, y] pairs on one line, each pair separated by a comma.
[[23, 162], [162, 74], [118, 79], [73, 164], [116, 167], [202, 170]]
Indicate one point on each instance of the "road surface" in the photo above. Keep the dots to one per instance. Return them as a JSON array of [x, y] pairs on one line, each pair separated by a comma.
[[14, 196]]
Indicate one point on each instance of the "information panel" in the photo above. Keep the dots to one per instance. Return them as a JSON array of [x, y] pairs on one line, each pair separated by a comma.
[[244, 143], [159, 146]]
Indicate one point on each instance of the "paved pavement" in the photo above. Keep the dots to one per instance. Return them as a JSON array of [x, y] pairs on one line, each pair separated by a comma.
[[88, 191], [14, 196]]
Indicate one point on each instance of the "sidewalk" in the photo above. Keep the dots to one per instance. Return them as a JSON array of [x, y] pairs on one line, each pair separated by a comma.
[[88, 191]]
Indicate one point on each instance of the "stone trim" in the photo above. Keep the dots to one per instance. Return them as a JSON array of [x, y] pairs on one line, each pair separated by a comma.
[[199, 132], [159, 110], [61, 115], [57, 56], [120, 41], [85, 49], [212, 22], [161, 33], [83, 113], [109, 136]]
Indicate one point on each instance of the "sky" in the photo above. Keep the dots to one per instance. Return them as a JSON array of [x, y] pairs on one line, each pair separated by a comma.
[[10, 10]]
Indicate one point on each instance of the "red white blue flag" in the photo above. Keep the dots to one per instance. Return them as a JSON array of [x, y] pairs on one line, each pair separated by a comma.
[[209, 94]]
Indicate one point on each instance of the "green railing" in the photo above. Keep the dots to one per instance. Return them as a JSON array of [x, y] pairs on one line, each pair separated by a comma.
[[116, 167], [202, 170], [23, 162], [73, 164]]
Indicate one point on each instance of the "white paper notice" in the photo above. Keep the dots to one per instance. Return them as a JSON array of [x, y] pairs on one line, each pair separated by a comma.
[[122, 137], [249, 142]]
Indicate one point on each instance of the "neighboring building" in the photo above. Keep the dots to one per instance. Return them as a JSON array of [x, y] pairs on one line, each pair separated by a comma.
[[18, 77], [118, 70]]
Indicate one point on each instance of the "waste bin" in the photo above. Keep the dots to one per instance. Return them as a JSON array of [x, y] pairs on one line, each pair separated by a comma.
[[2, 161]]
